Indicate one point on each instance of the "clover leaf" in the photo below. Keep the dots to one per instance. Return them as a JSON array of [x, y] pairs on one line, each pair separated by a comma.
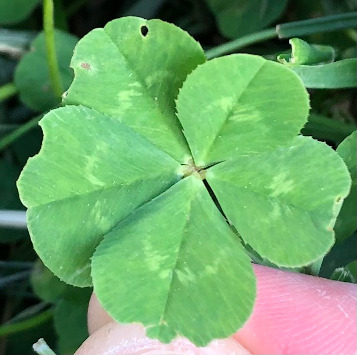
[[346, 222], [160, 168], [32, 74], [15, 10]]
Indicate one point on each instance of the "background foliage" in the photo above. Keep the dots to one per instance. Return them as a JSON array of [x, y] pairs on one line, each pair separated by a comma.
[[33, 302]]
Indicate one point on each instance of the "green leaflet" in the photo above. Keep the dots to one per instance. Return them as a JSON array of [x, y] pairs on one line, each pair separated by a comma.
[[340, 74], [342, 253], [70, 319], [45, 285], [236, 18], [322, 127], [240, 104], [305, 53], [314, 64], [86, 177], [115, 196], [346, 222], [201, 281], [150, 70], [12, 11], [352, 268], [70, 307], [31, 75], [344, 274], [284, 212]]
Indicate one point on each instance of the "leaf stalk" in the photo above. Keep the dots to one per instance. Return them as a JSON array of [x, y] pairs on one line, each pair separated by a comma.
[[7, 91], [241, 42], [13, 136], [287, 30], [29, 323], [48, 26], [316, 25]]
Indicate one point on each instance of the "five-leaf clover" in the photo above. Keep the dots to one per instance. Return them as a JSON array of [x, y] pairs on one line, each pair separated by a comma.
[[162, 170]]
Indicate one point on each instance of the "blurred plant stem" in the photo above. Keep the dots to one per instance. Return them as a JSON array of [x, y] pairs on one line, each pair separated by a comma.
[[241, 43], [13, 136], [29, 323], [287, 30], [317, 25], [7, 91], [48, 26]]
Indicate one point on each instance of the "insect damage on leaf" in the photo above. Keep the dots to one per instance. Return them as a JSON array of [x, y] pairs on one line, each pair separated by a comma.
[[144, 30], [149, 158]]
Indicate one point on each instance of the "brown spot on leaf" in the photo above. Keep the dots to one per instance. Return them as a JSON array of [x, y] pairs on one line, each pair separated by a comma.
[[85, 66]]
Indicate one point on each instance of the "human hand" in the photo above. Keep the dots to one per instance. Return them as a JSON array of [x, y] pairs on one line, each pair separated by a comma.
[[293, 314]]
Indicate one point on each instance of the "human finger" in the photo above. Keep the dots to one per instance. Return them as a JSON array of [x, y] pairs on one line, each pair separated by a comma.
[[116, 339], [300, 314]]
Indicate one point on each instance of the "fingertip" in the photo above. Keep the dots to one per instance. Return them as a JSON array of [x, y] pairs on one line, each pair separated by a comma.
[[117, 339], [300, 314], [107, 336], [97, 317]]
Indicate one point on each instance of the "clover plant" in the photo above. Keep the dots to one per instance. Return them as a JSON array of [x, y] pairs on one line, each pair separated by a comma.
[[162, 172], [32, 74], [346, 222], [12, 11]]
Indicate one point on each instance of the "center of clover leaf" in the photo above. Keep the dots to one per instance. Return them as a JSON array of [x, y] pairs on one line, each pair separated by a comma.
[[118, 195], [198, 171]]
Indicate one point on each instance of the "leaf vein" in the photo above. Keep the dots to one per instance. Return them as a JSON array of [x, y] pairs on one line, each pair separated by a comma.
[[166, 305], [232, 109]]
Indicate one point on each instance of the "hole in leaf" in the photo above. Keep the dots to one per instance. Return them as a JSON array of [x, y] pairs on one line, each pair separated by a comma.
[[144, 30]]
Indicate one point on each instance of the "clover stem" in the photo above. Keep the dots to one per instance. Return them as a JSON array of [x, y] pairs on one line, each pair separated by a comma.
[[7, 90], [41, 348], [48, 26], [29, 323], [287, 30], [316, 25], [241, 43], [13, 136]]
